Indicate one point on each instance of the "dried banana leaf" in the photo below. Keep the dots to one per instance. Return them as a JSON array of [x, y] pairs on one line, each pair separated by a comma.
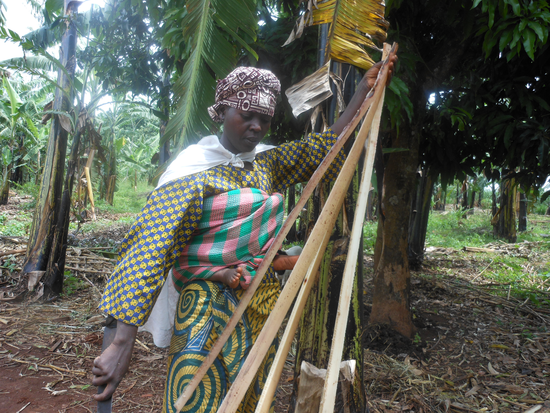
[[355, 25], [311, 91]]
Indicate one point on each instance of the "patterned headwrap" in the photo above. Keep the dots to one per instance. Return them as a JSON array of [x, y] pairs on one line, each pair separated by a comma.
[[248, 89]]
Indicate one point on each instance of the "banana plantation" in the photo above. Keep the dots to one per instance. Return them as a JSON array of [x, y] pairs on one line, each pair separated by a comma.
[[449, 303]]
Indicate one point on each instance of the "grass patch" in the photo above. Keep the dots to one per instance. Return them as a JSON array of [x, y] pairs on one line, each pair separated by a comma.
[[520, 270], [15, 227], [72, 284], [452, 230], [127, 199], [369, 236]]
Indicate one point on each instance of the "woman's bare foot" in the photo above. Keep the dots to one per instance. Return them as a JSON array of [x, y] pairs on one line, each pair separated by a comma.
[[229, 276], [284, 262]]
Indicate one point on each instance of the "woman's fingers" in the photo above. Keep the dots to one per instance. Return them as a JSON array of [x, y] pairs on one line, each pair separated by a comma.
[[107, 393], [372, 73]]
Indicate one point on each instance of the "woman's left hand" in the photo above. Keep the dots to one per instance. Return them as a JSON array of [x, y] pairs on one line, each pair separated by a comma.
[[363, 88], [372, 73]]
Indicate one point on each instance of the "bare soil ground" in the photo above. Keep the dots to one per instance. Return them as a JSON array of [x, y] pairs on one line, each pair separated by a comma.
[[475, 351]]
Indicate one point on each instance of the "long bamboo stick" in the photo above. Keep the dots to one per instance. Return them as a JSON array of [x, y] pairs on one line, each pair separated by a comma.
[[268, 392], [260, 272], [324, 223], [328, 396]]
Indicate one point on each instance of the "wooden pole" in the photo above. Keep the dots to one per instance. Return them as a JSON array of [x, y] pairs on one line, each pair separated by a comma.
[[328, 396], [325, 223], [371, 98]]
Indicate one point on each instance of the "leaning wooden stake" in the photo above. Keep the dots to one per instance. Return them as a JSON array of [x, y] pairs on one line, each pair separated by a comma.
[[328, 397], [308, 190], [90, 193], [324, 223]]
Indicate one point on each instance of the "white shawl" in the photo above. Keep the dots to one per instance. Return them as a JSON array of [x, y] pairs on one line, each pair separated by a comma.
[[206, 154]]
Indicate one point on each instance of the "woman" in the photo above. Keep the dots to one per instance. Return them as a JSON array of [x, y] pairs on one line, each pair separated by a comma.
[[245, 102]]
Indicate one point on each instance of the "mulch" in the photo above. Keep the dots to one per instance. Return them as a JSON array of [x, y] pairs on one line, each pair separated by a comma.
[[478, 348]]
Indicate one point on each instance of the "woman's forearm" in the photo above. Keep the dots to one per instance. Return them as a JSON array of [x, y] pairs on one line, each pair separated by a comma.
[[125, 333], [353, 106], [363, 88]]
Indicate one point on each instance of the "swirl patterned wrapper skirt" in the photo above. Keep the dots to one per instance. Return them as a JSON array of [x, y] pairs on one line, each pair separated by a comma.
[[203, 310]]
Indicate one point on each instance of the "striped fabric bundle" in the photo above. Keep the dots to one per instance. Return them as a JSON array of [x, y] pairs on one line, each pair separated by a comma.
[[236, 228]]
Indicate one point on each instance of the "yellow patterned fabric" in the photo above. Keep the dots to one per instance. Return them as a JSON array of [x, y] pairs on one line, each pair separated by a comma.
[[173, 211], [204, 308], [157, 238]]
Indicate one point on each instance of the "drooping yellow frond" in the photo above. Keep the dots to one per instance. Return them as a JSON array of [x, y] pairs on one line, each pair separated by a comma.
[[354, 26]]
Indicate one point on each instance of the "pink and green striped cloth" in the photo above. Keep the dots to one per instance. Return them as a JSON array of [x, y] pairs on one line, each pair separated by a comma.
[[236, 228]]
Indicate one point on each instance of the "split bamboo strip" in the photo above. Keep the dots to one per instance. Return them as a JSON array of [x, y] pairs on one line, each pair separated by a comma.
[[328, 396], [247, 296], [268, 392], [324, 223], [90, 192]]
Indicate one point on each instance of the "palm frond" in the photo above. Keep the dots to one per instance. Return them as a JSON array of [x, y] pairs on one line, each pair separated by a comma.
[[46, 36], [207, 26], [2, 17], [30, 62], [355, 25]]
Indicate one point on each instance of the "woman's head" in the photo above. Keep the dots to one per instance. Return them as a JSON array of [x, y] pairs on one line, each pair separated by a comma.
[[248, 89], [245, 103]]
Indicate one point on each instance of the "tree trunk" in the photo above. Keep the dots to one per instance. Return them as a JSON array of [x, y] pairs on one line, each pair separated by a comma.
[[494, 206], [164, 106], [17, 172], [464, 196], [480, 197], [53, 279], [369, 215], [391, 291], [522, 217], [507, 218], [110, 192], [5, 186], [419, 225], [47, 213]]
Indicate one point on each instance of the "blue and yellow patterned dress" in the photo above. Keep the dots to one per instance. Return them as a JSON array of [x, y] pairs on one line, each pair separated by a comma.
[[152, 246]]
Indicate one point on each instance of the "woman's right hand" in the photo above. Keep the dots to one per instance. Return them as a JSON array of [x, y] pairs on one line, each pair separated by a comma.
[[111, 366]]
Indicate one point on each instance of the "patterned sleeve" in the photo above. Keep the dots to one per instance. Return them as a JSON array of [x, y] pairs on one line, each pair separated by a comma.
[[151, 247], [296, 161]]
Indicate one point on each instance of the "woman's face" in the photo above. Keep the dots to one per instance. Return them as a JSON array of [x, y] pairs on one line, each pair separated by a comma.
[[242, 130]]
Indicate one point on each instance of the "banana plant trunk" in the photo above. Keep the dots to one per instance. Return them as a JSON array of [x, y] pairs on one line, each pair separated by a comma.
[[5, 188], [47, 217], [317, 322], [110, 175]]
